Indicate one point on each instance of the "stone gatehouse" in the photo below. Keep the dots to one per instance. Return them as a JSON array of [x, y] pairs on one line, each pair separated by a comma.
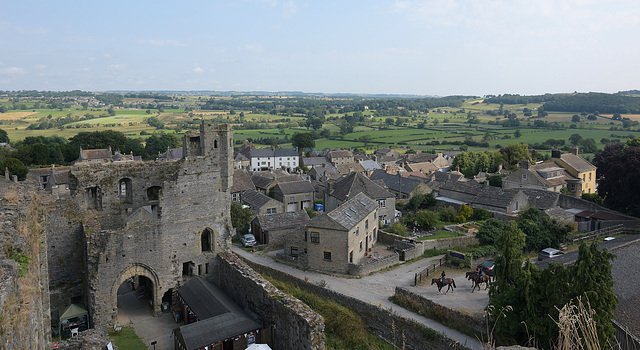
[[155, 224]]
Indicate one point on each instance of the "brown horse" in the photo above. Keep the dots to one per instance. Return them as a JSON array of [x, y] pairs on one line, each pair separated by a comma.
[[449, 282], [477, 280]]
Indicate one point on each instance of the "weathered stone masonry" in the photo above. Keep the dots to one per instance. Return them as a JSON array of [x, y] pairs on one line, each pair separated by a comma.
[[165, 221]]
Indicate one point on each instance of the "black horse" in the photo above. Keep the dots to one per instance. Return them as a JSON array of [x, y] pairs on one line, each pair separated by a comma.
[[449, 282], [477, 280]]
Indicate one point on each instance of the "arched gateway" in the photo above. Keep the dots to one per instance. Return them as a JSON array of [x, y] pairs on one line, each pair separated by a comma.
[[139, 270]]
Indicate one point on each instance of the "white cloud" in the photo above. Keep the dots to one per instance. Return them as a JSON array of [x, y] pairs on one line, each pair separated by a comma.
[[40, 66], [12, 70], [257, 48], [84, 69], [290, 8], [117, 66], [91, 59], [154, 42], [198, 70]]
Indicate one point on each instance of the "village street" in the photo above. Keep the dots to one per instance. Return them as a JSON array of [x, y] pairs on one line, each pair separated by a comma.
[[378, 287]]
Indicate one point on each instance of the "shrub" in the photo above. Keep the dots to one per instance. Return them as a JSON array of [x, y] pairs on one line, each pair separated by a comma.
[[399, 229], [446, 214]]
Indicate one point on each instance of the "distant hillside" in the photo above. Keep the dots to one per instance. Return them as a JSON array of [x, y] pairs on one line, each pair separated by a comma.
[[594, 102]]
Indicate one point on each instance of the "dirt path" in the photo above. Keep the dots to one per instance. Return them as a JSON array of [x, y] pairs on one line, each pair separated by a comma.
[[377, 288]]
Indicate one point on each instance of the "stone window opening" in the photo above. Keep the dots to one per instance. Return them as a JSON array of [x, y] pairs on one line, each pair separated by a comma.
[[94, 197], [126, 190], [215, 143], [315, 237], [188, 268], [153, 193], [327, 256], [206, 238], [294, 251]]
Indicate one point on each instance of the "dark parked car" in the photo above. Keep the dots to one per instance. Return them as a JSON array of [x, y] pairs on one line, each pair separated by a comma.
[[487, 267], [548, 253]]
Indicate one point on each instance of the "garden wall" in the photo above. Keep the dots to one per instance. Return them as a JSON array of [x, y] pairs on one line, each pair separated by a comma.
[[446, 243], [374, 264], [441, 312], [380, 322]]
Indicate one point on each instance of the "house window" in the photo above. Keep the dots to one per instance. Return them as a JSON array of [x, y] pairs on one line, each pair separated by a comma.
[[294, 251], [315, 237], [374, 232], [271, 210], [327, 256], [524, 177], [583, 177], [382, 203], [357, 231], [360, 245], [366, 224], [234, 197], [589, 176], [307, 196], [292, 198]]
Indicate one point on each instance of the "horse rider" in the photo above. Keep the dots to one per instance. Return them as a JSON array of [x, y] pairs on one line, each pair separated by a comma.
[[480, 274], [442, 277]]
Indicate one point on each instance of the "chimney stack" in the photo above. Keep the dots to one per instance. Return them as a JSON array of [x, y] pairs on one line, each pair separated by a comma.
[[574, 150], [524, 164], [555, 153]]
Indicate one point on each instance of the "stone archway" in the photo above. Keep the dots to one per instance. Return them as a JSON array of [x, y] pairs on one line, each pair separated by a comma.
[[139, 269]]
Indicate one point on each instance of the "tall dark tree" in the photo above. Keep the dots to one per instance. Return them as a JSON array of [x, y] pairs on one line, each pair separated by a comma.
[[618, 171], [303, 140], [3, 136]]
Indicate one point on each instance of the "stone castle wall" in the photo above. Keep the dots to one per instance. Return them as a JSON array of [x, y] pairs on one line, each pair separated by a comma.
[[24, 292], [296, 325], [165, 221]]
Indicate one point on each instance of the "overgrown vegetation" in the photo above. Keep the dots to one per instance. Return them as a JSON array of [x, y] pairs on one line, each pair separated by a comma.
[[344, 329], [127, 339]]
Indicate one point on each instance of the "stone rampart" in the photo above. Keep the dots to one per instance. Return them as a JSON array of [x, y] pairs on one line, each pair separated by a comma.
[[296, 325], [381, 322], [421, 303], [24, 292]]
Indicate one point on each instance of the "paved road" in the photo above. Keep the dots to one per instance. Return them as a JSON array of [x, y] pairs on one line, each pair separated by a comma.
[[571, 257], [377, 288]]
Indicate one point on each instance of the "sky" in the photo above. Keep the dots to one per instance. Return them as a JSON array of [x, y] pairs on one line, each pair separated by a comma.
[[431, 47]]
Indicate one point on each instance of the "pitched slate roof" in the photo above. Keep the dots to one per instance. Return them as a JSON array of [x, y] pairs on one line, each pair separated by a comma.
[[270, 152], [295, 187], [421, 158], [393, 182], [340, 154], [314, 161], [349, 167], [241, 182], [255, 199], [322, 170], [474, 193], [541, 199], [355, 183], [347, 215], [261, 181], [291, 220], [424, 167], [370, 165], [219, 318], [197, 293], [577, 162], [171, 154]]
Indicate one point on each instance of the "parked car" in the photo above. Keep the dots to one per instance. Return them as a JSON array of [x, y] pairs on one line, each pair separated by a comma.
[[248, 240], [548, 253], [487, 267]]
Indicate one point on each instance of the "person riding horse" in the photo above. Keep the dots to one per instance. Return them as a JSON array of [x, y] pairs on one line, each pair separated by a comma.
[[480, 273], [442, 277]]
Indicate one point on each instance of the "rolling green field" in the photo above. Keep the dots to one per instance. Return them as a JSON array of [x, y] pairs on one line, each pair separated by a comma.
[[442, 126]]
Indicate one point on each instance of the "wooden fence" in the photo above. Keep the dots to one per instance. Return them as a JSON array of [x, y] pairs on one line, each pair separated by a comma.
[[609, 231], [425, 273]]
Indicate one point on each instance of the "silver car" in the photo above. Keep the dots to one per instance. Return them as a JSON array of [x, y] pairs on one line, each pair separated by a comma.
[[548, 253]]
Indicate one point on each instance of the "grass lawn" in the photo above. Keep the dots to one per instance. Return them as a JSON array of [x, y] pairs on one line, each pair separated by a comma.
[[441, 234], [127, 339]]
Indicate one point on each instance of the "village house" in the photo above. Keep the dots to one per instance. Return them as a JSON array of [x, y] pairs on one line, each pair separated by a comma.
[[241, 183], [296, 195], [494, 199], [312, 162], [577, 167], [271, 228], [340, 157], [272, 158], [544, 176], [347, 168], [402, 188], [333, 241], [323, 173], [172, 154], [261, 204], [355, 183]]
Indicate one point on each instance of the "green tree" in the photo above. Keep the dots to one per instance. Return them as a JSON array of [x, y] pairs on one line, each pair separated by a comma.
[[366, 139], [517, 134], [16, 167], [303, 141], [427, 219], [4, 137], [490, 231], [575, 118], [618, 170], [575, 138], [466, 212], [240, 218], [159, 143], [399, 229]]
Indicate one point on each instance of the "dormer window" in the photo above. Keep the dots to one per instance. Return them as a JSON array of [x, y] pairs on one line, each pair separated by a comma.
[[524, 177]]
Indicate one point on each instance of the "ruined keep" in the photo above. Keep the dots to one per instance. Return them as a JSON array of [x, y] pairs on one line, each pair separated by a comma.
[[157, 223]]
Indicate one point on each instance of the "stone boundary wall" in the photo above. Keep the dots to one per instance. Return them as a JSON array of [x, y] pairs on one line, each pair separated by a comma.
[[446, 243], [296, 325], [478, 325], [380, 321], [410, 250], [374, 265]]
